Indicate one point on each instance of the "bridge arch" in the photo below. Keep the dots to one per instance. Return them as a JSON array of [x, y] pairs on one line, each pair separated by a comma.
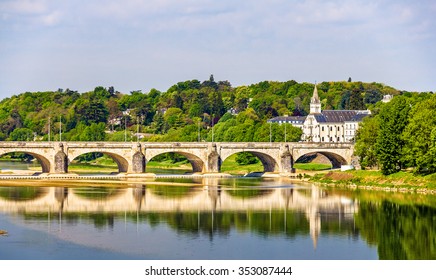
[[122, 163], [196, 162], [42, 160], [268, 162], [335, 159]]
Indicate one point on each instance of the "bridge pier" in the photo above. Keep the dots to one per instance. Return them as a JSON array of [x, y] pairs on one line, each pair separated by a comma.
[[286, 161], [138, 161], [213, 160], [61, 161]]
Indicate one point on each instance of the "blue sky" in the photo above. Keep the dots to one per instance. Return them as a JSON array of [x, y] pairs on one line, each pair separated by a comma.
[[144, 44]]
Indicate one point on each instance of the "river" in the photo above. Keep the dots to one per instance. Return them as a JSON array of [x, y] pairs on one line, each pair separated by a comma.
[[211, 219]]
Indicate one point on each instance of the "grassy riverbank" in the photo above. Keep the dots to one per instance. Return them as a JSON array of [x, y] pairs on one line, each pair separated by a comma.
[[403, 180]]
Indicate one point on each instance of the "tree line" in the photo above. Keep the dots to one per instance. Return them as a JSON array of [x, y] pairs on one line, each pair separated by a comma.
[[188, 111], [400, 134]]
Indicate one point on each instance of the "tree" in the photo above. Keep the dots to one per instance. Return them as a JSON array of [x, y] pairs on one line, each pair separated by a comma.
[[174, 117], [94, 132], [393, 120], [92, 110], [366, 138], [356, 100], [21, 134], [246, 158], [419, 137]]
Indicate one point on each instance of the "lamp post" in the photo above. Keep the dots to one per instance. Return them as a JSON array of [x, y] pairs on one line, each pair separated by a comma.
[[212, 129], [137, 129], [49, 127], [198, 131], [60, 129], [286, 124], [270, 133], [125, 128]]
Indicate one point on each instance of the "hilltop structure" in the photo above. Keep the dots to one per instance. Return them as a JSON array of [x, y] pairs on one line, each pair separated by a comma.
[[326, 125]]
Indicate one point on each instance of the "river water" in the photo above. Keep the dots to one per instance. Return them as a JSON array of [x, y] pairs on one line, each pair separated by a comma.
[[211, 219]]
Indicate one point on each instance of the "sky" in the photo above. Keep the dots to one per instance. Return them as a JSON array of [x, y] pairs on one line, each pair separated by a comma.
[[144, 44]]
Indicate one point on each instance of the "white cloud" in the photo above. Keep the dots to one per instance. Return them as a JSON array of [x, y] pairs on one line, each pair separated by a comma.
[[23, 6], [51, 19]]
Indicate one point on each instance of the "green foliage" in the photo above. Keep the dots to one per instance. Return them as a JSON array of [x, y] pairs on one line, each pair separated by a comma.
[[173, 118], [393, 119], [82, 132], [119, 136], [246, 158], [420, 136], [21, 134], [366, 137]]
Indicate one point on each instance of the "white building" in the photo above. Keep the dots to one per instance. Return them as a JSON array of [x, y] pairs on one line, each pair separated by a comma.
[[331, 125], [326, 125]]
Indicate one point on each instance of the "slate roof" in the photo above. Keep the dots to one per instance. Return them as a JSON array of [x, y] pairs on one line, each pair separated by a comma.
[[291, 119], [339, 116], [359, 117]]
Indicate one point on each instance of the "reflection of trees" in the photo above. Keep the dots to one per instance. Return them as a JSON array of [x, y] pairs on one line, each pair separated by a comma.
[[21, 193], [170, 191], [264, 223], [275, 222], [400, 231], [247, 193], [98, 193], [100, 220]]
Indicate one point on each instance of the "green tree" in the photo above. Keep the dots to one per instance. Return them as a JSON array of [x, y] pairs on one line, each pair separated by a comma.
[[174, 118], [21, 134], [356, 100], [366, 137], [393, 119], [94, 132], [92, 110], [246, 158], [418, 136]]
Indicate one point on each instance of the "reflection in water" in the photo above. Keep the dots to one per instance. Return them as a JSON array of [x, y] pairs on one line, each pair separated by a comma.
[[224, 211], [21, 193]]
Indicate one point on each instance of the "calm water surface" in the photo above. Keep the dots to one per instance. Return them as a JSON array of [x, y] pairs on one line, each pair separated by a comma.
[[213, 219]]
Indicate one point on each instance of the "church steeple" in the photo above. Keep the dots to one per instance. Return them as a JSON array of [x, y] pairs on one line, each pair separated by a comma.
[[315, 104]]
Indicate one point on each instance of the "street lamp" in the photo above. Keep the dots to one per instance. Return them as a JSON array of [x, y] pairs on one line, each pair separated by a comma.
[[125, 128], [212, 129], [198, 130], [60, 129], [286, 124], [49, 128]]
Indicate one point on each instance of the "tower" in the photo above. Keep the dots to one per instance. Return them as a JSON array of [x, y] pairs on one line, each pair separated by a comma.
[[315, 104]]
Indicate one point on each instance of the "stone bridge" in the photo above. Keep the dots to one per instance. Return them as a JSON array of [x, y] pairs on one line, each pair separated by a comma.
[[205, 157]]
